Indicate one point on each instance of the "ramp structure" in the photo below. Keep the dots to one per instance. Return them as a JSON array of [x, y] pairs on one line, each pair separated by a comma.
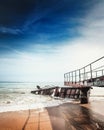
[[78, 82], [89, 75]]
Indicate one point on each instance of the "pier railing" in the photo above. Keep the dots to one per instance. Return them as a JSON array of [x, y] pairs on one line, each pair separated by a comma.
[[89, 75]]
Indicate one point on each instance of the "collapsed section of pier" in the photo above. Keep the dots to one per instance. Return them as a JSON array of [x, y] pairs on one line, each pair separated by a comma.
[[77, 83]]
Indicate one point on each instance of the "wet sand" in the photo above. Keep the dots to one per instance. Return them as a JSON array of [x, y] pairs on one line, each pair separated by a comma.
[[67, 116]]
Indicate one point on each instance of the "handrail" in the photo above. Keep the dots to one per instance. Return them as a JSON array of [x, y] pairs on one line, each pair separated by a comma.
[[86, 65], [88, 72]]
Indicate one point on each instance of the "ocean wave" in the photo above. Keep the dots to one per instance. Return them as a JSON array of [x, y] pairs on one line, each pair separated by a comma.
[[18, 97], [40, 102]]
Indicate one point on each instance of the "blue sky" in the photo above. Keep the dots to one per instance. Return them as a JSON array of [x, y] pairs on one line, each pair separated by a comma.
[[40, 40]]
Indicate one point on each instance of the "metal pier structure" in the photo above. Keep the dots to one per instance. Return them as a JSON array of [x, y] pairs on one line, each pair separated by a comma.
[[77, 83], [89, 75]]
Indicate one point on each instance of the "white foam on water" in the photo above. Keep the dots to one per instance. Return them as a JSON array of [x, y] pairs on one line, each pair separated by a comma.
[[39, 103], [17, 96], [14, 97]]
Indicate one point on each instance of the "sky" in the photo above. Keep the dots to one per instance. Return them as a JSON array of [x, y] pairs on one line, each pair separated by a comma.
[[40, 40]]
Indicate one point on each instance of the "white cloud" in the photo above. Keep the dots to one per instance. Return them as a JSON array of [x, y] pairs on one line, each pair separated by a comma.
[[44, 67]]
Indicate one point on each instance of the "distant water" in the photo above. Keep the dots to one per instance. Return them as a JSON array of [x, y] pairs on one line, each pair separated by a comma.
[[17, 96]]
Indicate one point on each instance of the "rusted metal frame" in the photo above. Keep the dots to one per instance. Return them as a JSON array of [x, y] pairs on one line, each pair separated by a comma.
[[74, 96], [69, 77], [79, 77], [91, 70], [72, 77], [75, 77], [77, 93], [84, 73], [64, 77], [74, 81], [70, 93]]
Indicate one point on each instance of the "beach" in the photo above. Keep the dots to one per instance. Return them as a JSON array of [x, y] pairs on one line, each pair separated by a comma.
[[66, 116], [21, 110]]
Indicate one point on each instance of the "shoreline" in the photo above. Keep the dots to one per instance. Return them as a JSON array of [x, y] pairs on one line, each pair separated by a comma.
[[95, 105], [61, 117]]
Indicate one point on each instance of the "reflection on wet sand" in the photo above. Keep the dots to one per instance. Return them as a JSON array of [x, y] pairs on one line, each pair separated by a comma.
[[75, 117]]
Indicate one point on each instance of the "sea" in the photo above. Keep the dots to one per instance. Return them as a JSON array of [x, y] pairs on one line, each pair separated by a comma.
[[16, 96]]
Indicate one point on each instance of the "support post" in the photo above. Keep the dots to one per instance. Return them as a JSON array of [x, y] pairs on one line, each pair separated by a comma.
[[84, 99]]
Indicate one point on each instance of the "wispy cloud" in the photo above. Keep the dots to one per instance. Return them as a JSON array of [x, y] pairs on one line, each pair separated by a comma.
[[6, 30]]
